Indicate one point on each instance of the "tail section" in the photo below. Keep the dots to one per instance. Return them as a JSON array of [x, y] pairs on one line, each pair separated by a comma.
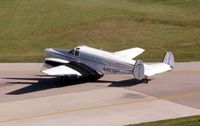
[[157, 68], [169, 59]]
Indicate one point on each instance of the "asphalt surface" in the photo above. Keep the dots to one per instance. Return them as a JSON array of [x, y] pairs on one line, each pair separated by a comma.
[[27, 97]]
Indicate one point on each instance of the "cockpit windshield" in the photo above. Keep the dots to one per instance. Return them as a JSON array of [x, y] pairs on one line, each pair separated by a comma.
[[71, 51], [75, 52]]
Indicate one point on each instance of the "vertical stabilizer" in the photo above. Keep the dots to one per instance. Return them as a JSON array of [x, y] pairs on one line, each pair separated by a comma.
[[169, 59]]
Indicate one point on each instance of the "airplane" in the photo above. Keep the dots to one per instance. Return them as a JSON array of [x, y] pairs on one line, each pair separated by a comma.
[[90, 63]]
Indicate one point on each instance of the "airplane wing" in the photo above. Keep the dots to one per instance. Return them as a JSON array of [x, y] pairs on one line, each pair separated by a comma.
[[61, 70], [130, 53], [61, 67], [57, 67]]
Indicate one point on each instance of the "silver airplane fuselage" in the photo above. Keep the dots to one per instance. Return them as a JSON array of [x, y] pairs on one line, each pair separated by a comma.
[[99, 60]]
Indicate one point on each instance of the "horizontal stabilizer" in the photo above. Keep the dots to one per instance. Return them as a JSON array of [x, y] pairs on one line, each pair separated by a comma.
[[130, 53], [157, 68], [61, 71], [166, 65]]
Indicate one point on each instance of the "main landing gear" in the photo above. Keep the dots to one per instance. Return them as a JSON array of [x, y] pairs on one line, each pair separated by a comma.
[[146, 80]]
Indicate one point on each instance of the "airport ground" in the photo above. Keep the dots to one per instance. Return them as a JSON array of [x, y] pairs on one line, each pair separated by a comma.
[[29, 98]]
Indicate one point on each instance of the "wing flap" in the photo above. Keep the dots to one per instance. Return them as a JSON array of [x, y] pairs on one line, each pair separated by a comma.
[[130, 53], [61, 71], [157, 68]]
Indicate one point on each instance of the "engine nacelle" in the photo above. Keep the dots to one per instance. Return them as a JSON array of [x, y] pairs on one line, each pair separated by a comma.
[[138, 70], [53, 62]]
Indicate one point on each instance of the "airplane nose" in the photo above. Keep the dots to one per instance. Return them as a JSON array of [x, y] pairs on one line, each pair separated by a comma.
[[47, 51]]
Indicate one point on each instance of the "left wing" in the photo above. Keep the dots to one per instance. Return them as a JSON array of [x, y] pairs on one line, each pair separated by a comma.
[[62, 67], [61, 71], [58, 67], [130, 53]]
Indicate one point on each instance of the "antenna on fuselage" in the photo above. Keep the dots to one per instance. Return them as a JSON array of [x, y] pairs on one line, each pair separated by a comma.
[[83, 44], [80, 43]]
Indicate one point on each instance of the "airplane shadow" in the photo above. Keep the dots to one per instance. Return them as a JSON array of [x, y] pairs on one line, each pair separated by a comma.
[[40, 84], [49, 83], [126, 83]]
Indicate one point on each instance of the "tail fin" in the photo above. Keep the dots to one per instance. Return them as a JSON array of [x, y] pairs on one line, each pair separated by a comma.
[[169, 59]]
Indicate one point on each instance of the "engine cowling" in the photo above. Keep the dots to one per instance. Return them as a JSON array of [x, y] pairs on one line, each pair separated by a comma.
[[138, 70]]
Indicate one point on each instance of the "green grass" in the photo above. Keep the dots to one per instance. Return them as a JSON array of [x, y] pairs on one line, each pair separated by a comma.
[[186, 121], [29, 26]]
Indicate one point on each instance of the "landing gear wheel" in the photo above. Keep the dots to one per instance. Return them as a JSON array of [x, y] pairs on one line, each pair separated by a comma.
[[146, 80]]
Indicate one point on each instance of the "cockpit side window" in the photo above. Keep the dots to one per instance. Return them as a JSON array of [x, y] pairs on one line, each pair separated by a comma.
[[76, 52]]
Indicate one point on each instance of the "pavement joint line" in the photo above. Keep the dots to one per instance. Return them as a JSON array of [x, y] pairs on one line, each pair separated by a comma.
[[180, 96], [99, 107], [76, 110], [196, 72]]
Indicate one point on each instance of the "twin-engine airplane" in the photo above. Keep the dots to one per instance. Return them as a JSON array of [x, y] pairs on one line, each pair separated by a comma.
[[90, 63]]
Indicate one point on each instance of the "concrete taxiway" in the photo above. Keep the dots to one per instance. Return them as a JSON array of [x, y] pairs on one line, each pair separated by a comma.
[[29, 98]]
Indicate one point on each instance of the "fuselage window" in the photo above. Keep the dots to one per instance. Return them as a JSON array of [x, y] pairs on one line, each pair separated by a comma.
[[77, 53]]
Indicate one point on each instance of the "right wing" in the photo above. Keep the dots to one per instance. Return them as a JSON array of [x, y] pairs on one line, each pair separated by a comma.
[[61, 71], [130, 53]]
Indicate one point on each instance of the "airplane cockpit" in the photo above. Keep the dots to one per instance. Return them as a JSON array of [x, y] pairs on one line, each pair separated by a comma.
[[75, 52]]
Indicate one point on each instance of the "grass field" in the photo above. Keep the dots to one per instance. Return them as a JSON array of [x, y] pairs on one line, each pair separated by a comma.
[[187, 121], [29, 26]]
